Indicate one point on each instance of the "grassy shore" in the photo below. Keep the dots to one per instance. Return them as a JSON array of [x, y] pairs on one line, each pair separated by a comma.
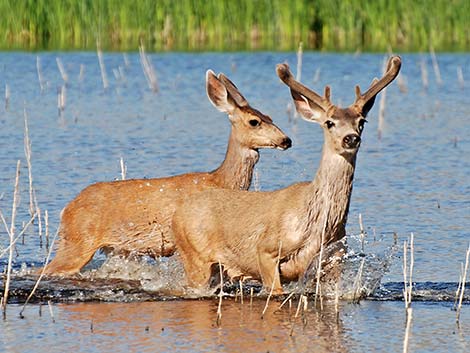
[[349, 25]]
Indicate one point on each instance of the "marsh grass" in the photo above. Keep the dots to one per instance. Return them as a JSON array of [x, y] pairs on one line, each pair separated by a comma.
[[236, 25]]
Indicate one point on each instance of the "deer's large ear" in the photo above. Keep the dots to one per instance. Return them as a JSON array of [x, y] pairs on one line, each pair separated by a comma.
[[306, 108], [217, 93], [233, 91]]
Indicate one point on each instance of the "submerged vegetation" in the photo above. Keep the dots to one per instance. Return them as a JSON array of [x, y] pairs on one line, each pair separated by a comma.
[[372, 25]]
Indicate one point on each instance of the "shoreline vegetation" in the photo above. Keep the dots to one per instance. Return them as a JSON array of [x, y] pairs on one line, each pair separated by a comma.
[[227, 25]]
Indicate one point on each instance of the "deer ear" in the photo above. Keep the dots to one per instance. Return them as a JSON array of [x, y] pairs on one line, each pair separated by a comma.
[[306, 108], [217, 93], [233, 91]]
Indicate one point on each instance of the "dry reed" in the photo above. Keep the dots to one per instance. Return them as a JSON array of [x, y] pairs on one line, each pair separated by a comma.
[[435, 65], [104, 76], [298, 75], [148, 69], [41, 275], [20, 234], [408, 274], [302, 300], [27, 152], [11, 234], [358, 283], [462, 286], [7, 97], [63, 73], [383, 97], [42, 84], [409, 315], [123, 169], [61, 100], [362, 235]]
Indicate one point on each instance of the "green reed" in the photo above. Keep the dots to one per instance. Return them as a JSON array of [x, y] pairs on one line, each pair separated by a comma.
[[373, 25]]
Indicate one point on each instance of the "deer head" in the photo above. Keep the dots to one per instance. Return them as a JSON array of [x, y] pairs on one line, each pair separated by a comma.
[[342, 126], [251, 128]]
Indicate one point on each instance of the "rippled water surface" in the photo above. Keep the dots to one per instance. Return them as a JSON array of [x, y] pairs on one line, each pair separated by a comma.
[[414, 179]]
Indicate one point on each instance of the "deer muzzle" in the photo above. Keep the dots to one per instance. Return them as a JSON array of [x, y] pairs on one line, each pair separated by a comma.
[[351, 141], [286, 143]]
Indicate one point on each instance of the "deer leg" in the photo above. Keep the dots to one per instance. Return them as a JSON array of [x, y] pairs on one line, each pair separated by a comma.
[[70, 258], [269, 272]]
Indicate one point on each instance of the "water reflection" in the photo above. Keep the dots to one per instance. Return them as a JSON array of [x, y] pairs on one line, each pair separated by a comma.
[[191, 326]]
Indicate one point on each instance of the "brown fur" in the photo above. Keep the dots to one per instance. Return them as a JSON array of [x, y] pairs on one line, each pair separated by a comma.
[[245, 231], [134, 216]]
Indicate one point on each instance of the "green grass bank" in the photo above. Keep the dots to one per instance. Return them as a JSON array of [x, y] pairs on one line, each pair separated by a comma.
[[227, 25]]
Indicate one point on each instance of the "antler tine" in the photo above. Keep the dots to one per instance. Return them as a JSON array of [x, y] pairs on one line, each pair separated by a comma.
[[393, 68], [286, 76], [233, 90]]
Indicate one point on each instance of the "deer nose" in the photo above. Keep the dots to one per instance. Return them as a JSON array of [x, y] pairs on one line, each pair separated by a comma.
[[286, 143], [351, 141]]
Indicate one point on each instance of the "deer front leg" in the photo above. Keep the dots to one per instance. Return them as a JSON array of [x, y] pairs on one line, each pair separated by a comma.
[[269, 272]]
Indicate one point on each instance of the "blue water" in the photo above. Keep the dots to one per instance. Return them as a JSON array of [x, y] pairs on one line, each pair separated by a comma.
[[414, 179]]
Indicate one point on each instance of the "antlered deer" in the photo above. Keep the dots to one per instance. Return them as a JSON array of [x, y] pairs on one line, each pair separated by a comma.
[[248, 231], [134, 216]]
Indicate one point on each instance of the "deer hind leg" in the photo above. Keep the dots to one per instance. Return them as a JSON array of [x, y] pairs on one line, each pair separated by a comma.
[[70, 257], [269, 272]]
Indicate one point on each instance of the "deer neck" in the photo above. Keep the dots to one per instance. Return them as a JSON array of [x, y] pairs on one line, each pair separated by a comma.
[[328, 198], [236, 171]]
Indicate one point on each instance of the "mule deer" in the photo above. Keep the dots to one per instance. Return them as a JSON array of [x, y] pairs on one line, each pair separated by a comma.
[[249, 232], [134, 216]]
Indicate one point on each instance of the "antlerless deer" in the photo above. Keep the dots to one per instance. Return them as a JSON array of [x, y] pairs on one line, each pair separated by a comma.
[[134, 216], [247, 231]]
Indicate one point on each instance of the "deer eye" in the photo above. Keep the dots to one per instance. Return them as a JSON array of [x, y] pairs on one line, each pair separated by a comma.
[[329, 124], [361, 124], [254, 122]]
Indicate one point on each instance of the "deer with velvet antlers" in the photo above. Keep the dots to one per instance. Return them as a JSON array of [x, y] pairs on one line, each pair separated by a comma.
[[269, 235], [134, 216]]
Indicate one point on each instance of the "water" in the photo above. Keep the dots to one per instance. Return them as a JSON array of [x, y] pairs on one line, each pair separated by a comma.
[[413, 179]]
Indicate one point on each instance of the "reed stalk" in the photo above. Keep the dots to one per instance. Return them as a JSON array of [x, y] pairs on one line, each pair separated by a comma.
[[462, 289], [362, 235], [104, 76], [20, 234], [7, 97], [358, 282], [27, 152], [148, 69], [298, 75], [46, 221], [302, 300], [409, 315], [408, 273], [61, 100], [383, 96], [41, 275], [40, 77], [11, 234], [123, 169], [62, 71], [435, 65]]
